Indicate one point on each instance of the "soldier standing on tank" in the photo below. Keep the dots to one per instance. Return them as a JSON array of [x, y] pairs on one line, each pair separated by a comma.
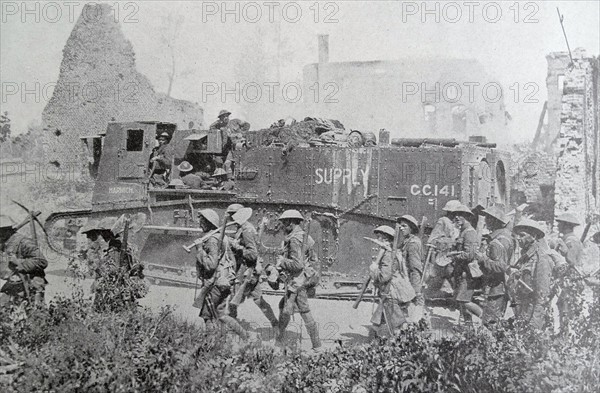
[[22, 265], [466, 247], [292, 264], [534, 275], [412, 253], [244, 246], [390, 310], [214, 267], [571, 248], [443, 238], [494, 264], [222, 124]]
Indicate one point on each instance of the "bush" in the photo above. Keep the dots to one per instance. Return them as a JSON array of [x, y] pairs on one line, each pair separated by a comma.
[[69, 346]]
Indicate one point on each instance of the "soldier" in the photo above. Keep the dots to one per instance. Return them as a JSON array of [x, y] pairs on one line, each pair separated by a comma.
[[217, 273], [249, 267], [292, 264], [391, 310], [466, 247], [571, 248], [160, 161], [22, 266], [494, 264], [222, 124], [187, 177], [95, 246], [412, 253], [356, 139], [442, 237], [534, 275], [223, 182], [119, 273]]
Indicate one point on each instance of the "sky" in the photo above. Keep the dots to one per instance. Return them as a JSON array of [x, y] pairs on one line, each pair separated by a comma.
[[511, 39]]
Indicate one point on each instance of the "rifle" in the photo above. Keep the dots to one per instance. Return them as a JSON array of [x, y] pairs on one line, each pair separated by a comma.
[[430, 248], [238, 298], [123, 256], [202, 239], [585, 231]]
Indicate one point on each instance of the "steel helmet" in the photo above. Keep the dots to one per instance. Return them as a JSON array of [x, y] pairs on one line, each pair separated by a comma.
[[90, 225], [529, 226], [242, 215], [462, 209], [410, 220], [185, 167], [385, 230], [370, 138], [6, 222], [219, 172], [211, 216], [496, 213], [234, 207], [288, 214], [176, 183], [569, 218], [451, 206], [164, 135], [224, 112]]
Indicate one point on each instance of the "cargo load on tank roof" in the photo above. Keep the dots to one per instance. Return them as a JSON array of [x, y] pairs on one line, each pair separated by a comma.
[[312, 131]]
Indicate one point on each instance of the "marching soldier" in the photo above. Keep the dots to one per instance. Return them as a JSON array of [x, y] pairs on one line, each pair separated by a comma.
[[292, 264], [442, 237], [495, 263], [392, 310], [466, 247], [22, 265], [217, 273], [533, 279], [249, 267], [571, 248], [412, 253]]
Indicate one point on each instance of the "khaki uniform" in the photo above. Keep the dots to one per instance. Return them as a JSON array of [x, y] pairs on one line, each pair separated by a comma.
[[390, 310], [494, 265], [247, 258], [22, 264], [572, 249], [467, 244], [192, 181], [443, 237], [535, 270], [293, 265]]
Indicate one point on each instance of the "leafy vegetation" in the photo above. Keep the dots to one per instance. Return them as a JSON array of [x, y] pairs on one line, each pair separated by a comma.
[[71, 347]]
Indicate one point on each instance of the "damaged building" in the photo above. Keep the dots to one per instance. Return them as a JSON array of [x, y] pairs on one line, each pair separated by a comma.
[[560, 170], [99, 83]]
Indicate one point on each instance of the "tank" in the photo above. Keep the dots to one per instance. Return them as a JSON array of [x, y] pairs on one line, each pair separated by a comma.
[[346, 192]]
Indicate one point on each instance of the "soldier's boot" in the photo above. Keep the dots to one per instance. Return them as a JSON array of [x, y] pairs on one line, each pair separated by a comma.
[[267, 311], [232, 324], [284, 320]]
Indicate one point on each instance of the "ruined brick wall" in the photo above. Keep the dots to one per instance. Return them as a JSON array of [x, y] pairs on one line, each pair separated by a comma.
[[99, 83], [576, 184]]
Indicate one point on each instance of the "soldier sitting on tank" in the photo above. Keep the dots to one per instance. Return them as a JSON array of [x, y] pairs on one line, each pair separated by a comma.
[[188, 177], [22, 266], [248, 266], [223, 183], [203, 163], [370, 139], [160, 161]]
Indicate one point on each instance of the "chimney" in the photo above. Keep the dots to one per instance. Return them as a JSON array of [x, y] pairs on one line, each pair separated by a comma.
[[323, 48]]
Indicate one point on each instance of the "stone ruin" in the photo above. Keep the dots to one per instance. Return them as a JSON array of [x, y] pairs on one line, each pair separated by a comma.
[[99, 83], [560, 170]]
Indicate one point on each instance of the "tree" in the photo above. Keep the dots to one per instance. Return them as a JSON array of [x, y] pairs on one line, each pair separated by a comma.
[[4, 127]]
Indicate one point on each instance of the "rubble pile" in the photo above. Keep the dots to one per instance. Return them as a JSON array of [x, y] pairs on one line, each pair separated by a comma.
[[293, 132], [99, 83]]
